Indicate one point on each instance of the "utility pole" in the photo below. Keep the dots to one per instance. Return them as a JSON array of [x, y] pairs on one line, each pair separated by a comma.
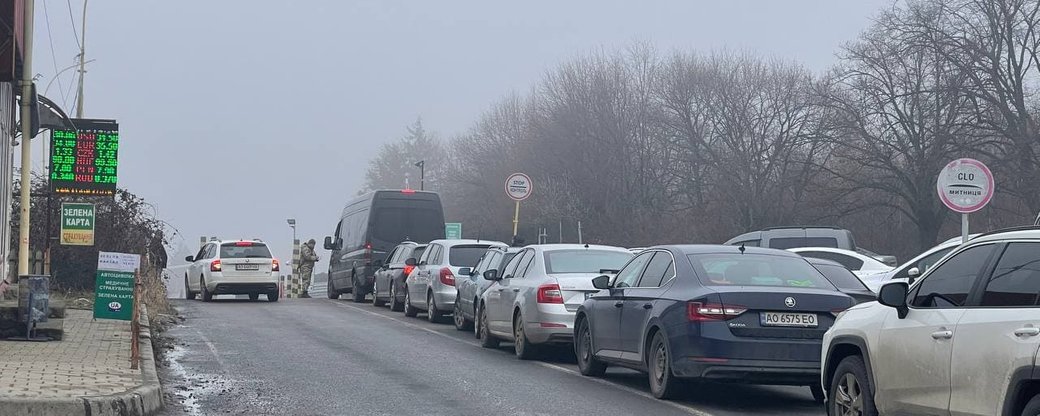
[[26, 183], [82, 61]]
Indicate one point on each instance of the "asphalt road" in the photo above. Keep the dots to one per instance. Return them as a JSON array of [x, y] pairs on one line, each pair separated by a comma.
[[324, 357]]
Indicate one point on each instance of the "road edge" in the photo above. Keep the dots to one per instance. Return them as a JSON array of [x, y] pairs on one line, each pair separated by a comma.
[[143, 400]]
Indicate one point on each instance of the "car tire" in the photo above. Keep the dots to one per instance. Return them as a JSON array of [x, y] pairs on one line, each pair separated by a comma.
[[394, 304], [588, 364], [817, 394], [376, 301], [272, 296], [409, 310], [188, 294], [433, 314], [253, 297], [358, 295], [1033, 407], [330, 290], [461, 323], [486, 339], [476, 319], [522, 346], [206, 295], [850, 386], [663, 384]]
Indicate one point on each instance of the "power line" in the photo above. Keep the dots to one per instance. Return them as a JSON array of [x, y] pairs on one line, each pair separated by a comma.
[[54, 58], [72, 19]]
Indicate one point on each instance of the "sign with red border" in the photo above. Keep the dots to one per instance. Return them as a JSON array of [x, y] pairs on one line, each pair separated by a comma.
[[965, 185]]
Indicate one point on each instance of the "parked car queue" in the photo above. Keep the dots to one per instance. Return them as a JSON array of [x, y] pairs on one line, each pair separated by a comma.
[[750, 315]]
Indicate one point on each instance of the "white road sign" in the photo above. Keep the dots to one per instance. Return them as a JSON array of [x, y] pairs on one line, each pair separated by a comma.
[[518, 186], [965, 185]]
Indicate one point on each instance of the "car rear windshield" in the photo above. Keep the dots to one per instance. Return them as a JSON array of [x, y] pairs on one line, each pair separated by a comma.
[[584, 261], [757, 270], [465, 256], [244, 250], [795, 242], [396, 224], [841, 277]]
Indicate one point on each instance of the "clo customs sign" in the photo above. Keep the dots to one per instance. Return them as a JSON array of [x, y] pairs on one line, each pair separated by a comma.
[[965, 185]]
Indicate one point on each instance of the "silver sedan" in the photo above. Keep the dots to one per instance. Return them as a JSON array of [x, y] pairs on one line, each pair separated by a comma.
[[533, 299]]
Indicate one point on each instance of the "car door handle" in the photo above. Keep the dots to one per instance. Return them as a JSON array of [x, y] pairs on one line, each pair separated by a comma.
[[945, 334], [516, 290], [648, 306], [1027, 332], [619, 304], [501, 289]]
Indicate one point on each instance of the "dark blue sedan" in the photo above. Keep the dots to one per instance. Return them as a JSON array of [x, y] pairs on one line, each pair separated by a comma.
[[720, 313]]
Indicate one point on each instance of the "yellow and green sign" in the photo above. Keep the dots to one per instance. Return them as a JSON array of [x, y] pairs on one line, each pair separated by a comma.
[[77, 224]]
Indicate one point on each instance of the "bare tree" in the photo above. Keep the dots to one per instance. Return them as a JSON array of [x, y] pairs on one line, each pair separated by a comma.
[[395, 163], [901, 112]]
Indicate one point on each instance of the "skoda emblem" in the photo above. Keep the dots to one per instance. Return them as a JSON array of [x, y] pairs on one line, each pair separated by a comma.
[[789, 302]]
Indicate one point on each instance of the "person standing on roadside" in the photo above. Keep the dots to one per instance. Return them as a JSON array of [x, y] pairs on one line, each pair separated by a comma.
[[307, 260]]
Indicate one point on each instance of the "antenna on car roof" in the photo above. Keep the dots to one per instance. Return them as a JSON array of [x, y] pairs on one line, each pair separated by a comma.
[[586, 245], [741, 248]]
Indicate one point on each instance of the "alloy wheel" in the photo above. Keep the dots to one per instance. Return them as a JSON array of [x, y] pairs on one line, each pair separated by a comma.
[[660, 364], [460, 321], [849, 400]]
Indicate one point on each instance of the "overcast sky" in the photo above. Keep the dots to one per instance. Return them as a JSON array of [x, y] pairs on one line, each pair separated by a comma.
[[235, 115]]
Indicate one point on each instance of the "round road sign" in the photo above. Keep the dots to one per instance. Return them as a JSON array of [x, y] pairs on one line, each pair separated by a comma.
[[965, 185], [518, 186]]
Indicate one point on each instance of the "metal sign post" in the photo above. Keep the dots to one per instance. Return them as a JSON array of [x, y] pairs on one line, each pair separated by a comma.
[[518, 187], [965, 186]]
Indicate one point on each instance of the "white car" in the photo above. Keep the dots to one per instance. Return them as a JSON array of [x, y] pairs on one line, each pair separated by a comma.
[[916, 266], [962, 339], [237, 267], [860, 264]]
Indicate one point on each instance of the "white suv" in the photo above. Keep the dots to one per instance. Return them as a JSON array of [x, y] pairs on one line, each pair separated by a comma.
[[962, 340], [239, 267]]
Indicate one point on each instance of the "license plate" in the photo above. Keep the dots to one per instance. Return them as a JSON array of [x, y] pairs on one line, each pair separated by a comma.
[[247, 267], [802, 320]]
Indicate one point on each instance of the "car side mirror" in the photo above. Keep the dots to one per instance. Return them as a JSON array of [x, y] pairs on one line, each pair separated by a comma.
[[189, 259], [410, 261], [491, 275], [893, 295], [466, 271], [913, 272], [328, 243], [601, 282]]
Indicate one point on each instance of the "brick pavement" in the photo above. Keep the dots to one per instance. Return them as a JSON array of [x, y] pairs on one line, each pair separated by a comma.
[[92, 360]]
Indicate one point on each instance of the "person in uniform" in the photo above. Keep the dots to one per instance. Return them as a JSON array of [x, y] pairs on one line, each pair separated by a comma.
[[307, 260]]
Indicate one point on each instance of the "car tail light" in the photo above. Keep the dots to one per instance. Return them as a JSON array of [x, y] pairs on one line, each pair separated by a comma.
[[274, 265], [214, 266], [408, 270], [408, 191], [550, 293], [837, 311], [447, 277], [243, 244], [701, 312]]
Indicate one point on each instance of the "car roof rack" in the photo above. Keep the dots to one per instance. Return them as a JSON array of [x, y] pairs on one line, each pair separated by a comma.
[[791, 227], [1008, 230]]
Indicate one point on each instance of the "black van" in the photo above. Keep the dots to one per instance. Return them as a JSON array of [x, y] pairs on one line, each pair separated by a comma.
[[371, 226]]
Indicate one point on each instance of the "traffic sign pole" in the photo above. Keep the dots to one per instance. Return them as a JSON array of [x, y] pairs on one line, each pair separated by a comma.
[[516, 219], [518, 188], [964, 228]]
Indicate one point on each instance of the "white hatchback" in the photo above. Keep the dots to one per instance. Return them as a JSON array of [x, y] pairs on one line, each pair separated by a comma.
[[237, 267], [962, 339]]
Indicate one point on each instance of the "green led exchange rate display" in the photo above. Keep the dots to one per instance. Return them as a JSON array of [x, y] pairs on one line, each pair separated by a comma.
[[84, 161]]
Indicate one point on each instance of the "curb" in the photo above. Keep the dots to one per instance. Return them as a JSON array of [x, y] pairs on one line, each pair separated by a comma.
[[144, 400]]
